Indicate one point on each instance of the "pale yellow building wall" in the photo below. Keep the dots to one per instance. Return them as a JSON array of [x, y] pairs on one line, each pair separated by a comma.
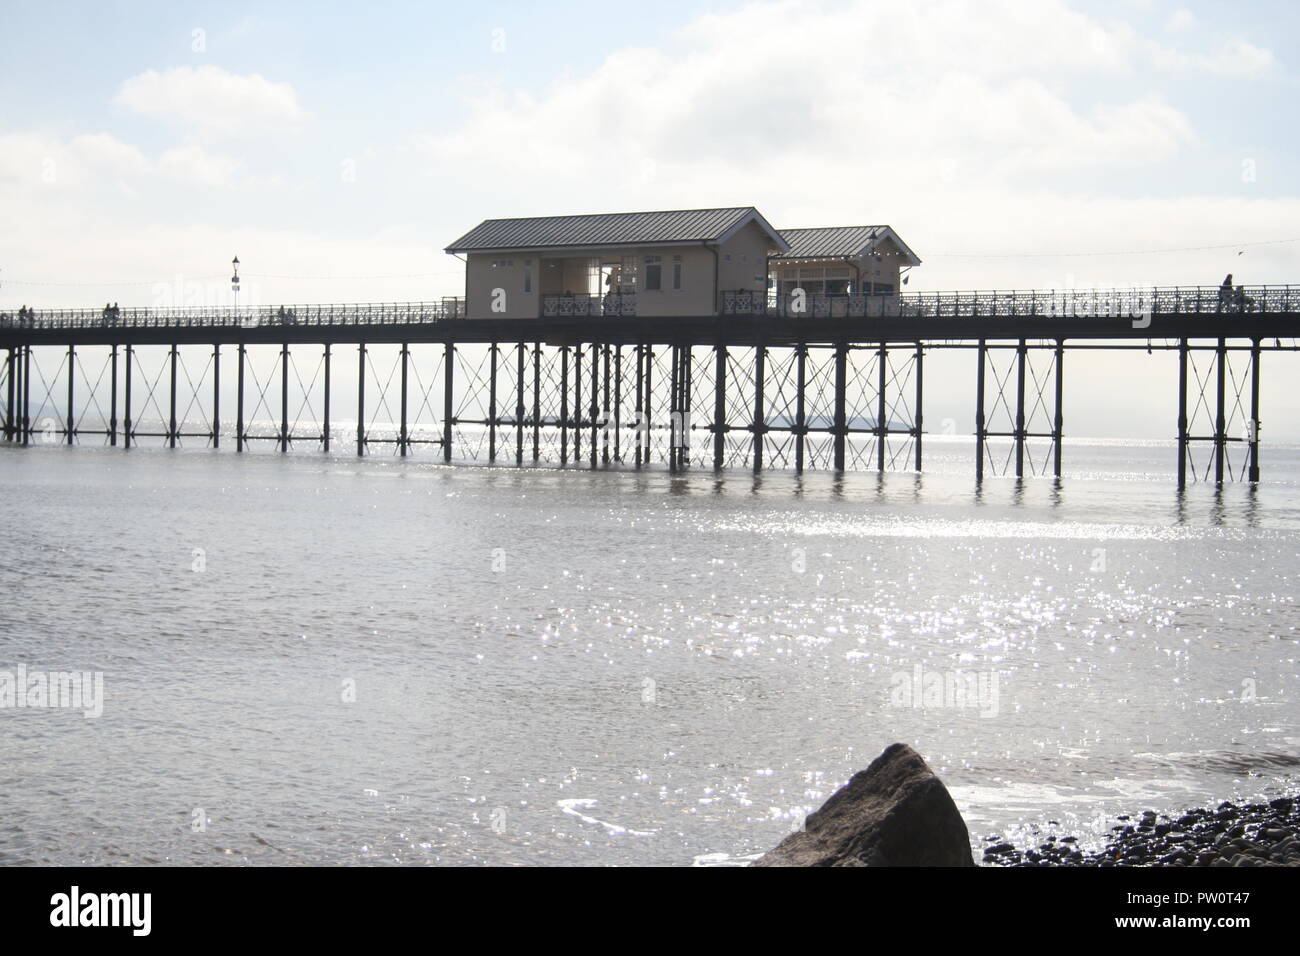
[[570, 274], [695, 297], [481, 278], [868, 269], [743, 260], [885, 269], [741, 263]]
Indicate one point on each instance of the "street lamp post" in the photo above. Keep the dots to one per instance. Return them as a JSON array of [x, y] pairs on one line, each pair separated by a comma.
[[234, 282]]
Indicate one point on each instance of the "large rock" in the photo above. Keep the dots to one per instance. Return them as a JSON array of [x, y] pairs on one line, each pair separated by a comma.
[[894, 813]]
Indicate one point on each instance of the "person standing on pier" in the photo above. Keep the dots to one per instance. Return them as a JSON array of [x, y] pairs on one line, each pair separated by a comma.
[[1225, 292]]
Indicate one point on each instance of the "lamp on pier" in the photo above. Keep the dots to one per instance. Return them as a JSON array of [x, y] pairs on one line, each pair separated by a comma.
[[234, 279]]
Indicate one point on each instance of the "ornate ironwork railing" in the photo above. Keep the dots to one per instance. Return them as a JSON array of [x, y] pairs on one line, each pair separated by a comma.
[[589, 304], [368, 313], [1038, 303], [1042, 303]]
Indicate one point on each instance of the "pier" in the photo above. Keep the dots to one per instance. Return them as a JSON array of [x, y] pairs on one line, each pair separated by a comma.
[[787, 381]]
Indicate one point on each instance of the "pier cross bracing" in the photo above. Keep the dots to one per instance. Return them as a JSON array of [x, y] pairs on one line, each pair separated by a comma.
[[698, 338], [837, 387]]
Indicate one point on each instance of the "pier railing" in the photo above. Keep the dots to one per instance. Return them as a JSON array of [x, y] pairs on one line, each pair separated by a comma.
[[588, 304], [266, 316], [1036, 303], [1041, 303]]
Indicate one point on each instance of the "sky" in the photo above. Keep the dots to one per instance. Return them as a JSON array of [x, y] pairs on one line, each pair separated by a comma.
[[338, 148]]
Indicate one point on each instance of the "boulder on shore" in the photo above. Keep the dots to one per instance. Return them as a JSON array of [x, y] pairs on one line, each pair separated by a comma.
[[894, 813]]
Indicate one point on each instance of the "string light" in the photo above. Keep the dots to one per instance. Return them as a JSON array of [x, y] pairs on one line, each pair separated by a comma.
[[212, 278], [776, 259], [1128, 252]]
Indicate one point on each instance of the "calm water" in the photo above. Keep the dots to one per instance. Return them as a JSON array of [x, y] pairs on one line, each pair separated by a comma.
[[618, 668]]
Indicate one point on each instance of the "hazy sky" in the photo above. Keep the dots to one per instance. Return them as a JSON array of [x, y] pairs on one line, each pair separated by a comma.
[[349, 143]]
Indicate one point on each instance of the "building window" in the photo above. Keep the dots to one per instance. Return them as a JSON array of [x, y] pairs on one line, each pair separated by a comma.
[[528, 280], [677, 272], [653, 273], [502, 263], [626, 281]]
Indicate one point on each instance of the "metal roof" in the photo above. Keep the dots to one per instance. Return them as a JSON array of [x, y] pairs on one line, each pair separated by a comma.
[[839, 242], [610, 229]]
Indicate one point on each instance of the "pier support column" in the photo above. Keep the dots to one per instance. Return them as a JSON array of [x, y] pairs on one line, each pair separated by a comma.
[[537, 401], [675, 410], [1021, 356], [70, 423], [361, 399], [760, 407], [492, 403], [593, 406], [1182, 414], [1220, 417], [27, 394], [564, 405], [640, 402], [920, 396], [800, 409], [14, 393], [1058, 420], [882, 426], [239, 396], [719, 406], [1253, 433], [606, 410], [618, 404], [112, 399], [284, 398], [840, 417], [519, 404], [648, 420], [171, 427], [10, 392], [325, 424], [403, 435], [12, 417], [577, 403], [126, 398], [674, 393], [687, 377], [448, 399], [980, 431], [216, 396]]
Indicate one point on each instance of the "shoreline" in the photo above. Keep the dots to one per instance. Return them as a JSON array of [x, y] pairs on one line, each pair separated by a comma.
[[1253, 834]]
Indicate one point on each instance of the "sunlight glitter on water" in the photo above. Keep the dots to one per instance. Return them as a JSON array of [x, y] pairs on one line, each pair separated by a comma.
[[694, 662]]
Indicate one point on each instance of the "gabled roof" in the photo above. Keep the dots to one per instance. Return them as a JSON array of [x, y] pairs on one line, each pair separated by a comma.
[[841, 242], [612, 229]]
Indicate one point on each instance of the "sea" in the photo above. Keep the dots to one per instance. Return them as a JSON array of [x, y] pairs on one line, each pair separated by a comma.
[[313, 658]]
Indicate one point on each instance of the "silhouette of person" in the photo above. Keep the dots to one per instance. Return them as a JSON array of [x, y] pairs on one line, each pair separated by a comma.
[[1225, 291]]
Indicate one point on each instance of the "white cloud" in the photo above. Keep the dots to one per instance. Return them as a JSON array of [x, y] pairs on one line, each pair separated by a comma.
[[213, 103], [931, 93], [1233, 58], [1181, 19], [191, 164], [971, 128], [966, 127], [36, 162]]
